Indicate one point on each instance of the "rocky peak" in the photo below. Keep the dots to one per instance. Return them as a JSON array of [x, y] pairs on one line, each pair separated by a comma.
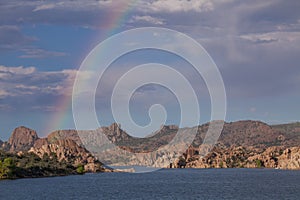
[[168, 127], [22, 139], [114, 127], [114, 133]]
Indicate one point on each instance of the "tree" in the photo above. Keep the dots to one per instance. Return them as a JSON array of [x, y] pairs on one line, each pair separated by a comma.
[[7, 168]]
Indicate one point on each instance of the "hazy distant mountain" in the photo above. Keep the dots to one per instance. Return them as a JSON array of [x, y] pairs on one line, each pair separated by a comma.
[[240, 133]]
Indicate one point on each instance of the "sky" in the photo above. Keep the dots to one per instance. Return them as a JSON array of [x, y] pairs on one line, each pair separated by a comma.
[[255, 45]]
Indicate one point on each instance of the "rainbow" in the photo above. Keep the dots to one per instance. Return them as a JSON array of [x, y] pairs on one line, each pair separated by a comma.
[[63, 111]]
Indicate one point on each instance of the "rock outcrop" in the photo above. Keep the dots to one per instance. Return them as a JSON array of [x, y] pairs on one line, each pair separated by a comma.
[[22, 139], [289, 159], [64, 145], [67, 150], [278, 157], [64, 134], [114, 133], [40, 142]]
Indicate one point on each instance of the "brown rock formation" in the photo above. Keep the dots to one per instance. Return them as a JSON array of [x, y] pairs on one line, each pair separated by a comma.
[[115, 134], [40, 142], [64, 134], [65, 145], [22, 139], [69, 151], [290, 159], [248, 157]]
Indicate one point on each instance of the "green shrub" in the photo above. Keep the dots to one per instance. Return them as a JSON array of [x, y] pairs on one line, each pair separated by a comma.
[[7, 168], [80, 169], [259, 163]]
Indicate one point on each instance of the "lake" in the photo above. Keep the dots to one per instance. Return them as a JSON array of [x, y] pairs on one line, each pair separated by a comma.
[[162, 184]]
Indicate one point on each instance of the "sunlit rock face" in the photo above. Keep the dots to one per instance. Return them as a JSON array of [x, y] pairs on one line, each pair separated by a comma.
[[22, 139]]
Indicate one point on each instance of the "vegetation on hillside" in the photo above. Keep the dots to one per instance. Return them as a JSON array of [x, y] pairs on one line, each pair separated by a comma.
[[30, 165]]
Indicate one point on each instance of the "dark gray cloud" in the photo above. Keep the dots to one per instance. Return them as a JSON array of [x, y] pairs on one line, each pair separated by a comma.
[[82, 13], [277, 12], [25, 88], [256, 69], [255, 44]]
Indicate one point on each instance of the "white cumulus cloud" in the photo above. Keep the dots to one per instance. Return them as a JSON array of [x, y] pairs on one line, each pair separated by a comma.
[[147, 18], [16, 70]]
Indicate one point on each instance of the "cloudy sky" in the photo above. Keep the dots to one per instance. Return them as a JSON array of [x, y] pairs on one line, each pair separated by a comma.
[[255, 44]]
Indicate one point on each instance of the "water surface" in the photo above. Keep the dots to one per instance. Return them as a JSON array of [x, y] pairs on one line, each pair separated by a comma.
[[162, 184]]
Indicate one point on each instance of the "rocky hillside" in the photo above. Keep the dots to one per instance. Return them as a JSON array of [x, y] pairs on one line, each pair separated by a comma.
[[290, 133], [250, 133], [243, 133], [148, 144], [247, 144], [64, 145], [87, 147], [64, 134], [278, 157], [254, 135]]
